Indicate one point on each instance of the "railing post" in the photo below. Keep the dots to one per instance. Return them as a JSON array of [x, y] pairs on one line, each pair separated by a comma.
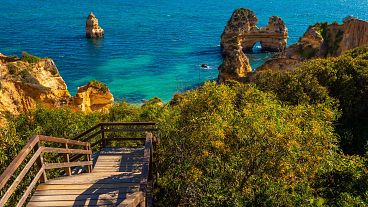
[[68, 170], [40, 163], [103, 141], [89, 158]]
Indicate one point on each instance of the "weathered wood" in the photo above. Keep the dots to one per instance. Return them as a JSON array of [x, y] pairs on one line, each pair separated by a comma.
[[134, 200], [31, 186], [40, 164], [84, 186], [66, 151], [20, 177], [49, 166], [146, 161], [9, 171], [80, 191], [62, 140], [68, 170], [80, 197]]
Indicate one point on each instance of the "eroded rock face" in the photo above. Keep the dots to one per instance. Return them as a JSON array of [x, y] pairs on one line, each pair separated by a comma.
[[93, 30], [241, 34], [322, 40], [25, 84], [93, 97]]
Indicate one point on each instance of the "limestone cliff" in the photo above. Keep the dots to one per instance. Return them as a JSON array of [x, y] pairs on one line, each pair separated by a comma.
[[29, 81], [93, 30], [322, 40], [241, 34]]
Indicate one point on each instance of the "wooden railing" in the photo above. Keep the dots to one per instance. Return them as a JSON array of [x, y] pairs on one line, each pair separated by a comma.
[[34, 145]]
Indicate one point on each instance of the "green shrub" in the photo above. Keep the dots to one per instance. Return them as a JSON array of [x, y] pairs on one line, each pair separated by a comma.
[[237, 146], [30, 58], [102, 87], [331, 81]]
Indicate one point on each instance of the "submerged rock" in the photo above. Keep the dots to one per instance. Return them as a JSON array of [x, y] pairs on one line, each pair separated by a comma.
[[241, 34], [93, 30]]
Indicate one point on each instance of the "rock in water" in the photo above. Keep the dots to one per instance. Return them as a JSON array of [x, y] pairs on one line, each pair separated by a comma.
[[95, 96], [241, 34], [93, 30]]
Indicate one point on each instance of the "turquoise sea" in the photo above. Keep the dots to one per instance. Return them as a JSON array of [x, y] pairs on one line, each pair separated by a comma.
[[151, 47]]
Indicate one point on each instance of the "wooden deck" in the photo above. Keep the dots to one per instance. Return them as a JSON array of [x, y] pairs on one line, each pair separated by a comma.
[[116, 174]]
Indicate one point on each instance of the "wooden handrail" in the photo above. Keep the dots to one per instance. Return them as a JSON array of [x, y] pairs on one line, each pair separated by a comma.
[[9, 171], [34, 144]]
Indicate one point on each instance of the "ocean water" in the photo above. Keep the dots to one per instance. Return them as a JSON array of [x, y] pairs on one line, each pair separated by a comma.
[[151, 47]]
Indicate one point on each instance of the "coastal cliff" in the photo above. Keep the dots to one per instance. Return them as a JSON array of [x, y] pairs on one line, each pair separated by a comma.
[[241, 34], [28, 81], [320, 41]]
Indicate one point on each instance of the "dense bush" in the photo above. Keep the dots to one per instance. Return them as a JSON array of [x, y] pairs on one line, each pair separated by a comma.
[[342, 80], [237, 146]]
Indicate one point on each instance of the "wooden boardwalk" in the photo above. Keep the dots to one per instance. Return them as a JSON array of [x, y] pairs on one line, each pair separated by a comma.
[[116, 173], [96, 172]]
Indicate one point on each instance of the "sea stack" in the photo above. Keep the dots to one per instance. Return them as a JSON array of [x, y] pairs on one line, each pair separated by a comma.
[[93, 30], [241, 34]]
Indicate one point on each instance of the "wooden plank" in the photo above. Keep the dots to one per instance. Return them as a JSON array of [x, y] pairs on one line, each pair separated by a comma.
[[66, 151], [9, 171], [87, 203], [81, 197], [98, 181], [62, 140], [66, 164], [83, 186], [80, 191], [31, 187], [20, 177]]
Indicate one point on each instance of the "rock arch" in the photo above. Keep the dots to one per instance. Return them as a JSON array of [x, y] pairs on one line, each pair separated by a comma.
[[241, 34]]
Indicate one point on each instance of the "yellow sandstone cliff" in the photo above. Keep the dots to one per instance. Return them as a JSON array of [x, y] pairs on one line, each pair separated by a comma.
[[29, 81]]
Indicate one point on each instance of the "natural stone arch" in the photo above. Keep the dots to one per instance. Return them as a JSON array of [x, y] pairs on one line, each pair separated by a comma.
[[241, 34]]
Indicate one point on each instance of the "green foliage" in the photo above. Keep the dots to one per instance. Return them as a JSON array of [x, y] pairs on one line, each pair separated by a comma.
[[233, 145], [342, 80], [30, 58], [99, 85]]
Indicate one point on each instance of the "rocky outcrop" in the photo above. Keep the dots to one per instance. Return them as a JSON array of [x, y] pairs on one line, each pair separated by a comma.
[[95, 96], [93, 30], [25, 84], [241, 34], [31, 81], [322, 40]]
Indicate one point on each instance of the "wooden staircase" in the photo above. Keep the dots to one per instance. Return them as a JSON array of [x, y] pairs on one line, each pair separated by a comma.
[[118, 176]]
